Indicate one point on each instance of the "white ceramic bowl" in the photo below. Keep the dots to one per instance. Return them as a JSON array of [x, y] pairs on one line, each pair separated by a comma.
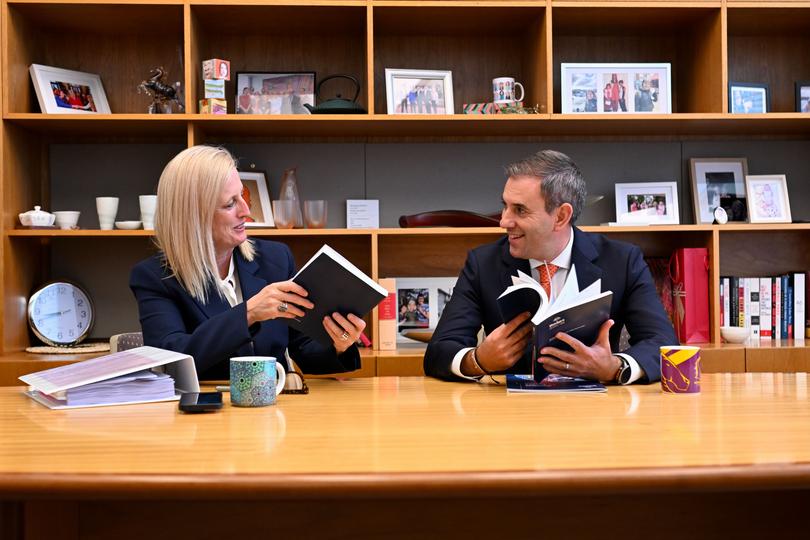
[[128, 225], [67, 219], [735, 334]]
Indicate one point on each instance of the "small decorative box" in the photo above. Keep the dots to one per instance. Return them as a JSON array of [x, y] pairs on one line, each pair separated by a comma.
[[215, 88], [216, 69], [490, 108], [213, 106]]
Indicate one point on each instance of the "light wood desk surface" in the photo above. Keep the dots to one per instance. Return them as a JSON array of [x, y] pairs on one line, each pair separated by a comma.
[[402, 429], [402, 458]]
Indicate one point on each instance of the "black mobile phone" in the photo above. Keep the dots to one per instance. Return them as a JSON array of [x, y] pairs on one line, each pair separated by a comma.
[[200, 401]]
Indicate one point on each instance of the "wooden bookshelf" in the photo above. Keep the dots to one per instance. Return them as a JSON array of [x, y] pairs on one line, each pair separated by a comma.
[[708, 43]]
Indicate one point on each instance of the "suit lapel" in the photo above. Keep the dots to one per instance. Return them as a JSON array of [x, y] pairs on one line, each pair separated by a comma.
[[583, 253], [249, 282]]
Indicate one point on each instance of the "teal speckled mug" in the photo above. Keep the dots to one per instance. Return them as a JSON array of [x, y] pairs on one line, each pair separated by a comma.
[[256, 380]]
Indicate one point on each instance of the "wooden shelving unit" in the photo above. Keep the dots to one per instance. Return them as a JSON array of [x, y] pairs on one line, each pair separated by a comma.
[[708, 43]]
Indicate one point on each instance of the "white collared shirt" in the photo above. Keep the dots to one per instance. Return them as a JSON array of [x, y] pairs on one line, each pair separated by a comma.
[[563, 263], [230, 286]]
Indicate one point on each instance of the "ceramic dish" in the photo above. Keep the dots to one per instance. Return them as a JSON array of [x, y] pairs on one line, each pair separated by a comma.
[[128, 225], [735, 334]]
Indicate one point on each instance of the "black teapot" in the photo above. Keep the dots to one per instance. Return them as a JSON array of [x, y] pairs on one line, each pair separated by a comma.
[[338, 104]]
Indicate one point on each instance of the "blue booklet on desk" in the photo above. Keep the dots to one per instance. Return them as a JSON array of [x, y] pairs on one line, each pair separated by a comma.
[[551, 384], [579, 314]]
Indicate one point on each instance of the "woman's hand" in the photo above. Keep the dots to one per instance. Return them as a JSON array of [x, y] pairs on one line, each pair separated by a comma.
[[282, 300], [344, 331]]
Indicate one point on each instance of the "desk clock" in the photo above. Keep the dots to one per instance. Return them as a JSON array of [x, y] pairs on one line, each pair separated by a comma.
[[60, 313]]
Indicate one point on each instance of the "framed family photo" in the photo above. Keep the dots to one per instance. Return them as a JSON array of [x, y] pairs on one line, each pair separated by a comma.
[[420, 304], [748, 98], [803, 96], [63, 91], [616, 88], [274, 93], [419, 91], [719, 182], [257, 197], [768, 198], [647, 203]]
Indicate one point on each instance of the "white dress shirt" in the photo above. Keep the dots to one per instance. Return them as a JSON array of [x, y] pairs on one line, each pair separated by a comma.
[[563, 264], [230, 286]]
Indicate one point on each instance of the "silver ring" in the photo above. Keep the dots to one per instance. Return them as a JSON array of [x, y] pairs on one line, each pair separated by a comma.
[[282, 307], [567, 365], [344, 336]]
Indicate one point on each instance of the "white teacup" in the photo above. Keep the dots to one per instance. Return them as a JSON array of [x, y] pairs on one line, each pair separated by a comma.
[[148, 204], [107, 208], [67, 219]]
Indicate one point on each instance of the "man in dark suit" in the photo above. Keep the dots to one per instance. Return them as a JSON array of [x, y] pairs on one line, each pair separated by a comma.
[[543, 197]]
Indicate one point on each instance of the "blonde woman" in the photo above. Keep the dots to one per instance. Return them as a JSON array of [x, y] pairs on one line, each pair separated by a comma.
[[212, 293]]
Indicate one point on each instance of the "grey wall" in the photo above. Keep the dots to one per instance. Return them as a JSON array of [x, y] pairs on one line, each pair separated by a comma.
[[406, 178]]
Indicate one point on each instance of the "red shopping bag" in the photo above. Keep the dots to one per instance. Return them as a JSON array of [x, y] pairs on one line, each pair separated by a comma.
[[689, 270]]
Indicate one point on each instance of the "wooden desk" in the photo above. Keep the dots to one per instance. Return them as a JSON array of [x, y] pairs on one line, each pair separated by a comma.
[[414, 457]]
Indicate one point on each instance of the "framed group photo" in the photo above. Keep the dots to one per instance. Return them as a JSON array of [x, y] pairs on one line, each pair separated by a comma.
[[420, 304], [419, 91], [647, 203], [748, 98], [719, 182], [257, 197], [274, 93], [64, 91], [616, 88], [768, 198]]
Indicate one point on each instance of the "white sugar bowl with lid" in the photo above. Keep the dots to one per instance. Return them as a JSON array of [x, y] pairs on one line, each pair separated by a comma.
[[36, 218]]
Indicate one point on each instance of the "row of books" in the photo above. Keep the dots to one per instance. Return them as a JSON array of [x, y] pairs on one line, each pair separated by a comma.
[[773, 307]]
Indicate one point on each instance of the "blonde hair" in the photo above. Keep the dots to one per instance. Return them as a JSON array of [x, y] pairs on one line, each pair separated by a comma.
[[188, 195]]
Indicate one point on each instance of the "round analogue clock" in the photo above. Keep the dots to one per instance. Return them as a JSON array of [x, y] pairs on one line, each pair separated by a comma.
[[60, 313], [720, 215]]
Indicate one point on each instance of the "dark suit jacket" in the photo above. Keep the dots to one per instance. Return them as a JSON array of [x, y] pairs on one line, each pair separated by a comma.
[[214, 332], [487, 273]]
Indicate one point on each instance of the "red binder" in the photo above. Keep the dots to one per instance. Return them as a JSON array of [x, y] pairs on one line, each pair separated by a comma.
[[689, 269]]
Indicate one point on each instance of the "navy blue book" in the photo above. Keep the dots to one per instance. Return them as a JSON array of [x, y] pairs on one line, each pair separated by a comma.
[[552, 384], [334, 285], [577, 313]]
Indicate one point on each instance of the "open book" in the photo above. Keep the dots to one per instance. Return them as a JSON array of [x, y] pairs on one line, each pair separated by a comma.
[[140, 375], [552, 384], [577, 313], [334, 285]]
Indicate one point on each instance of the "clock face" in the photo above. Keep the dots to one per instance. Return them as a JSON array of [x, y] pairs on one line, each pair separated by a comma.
[[60, 313]]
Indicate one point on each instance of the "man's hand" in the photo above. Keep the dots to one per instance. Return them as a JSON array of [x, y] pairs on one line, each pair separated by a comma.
[[502, 348], [595, 362]]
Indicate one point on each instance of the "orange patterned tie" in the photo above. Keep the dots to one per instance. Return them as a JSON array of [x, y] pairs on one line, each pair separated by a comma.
[[545, 276]]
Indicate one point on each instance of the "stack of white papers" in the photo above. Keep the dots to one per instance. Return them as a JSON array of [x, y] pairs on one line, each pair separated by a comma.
[[139, 386]]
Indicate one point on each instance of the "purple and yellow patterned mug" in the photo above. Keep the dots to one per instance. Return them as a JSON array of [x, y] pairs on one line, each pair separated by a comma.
[[680, 369], [256, 380]]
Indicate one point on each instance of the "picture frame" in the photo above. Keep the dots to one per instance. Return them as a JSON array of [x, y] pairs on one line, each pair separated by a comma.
[[419, 91], [803, 96], [647, 203], [719, 182], [268, 92], [420, 304], [65, 91], [768, 200], [257, 196], [748, 98], [616, 88]]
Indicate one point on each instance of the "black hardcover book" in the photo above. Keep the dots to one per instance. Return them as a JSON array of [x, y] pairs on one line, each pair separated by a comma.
[[334, 285]]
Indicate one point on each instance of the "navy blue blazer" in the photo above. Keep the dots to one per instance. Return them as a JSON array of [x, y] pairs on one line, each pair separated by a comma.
[[488, 272], [214, 332]]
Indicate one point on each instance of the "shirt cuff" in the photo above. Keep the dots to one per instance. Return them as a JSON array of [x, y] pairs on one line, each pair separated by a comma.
[[455, 366], [635, 368]]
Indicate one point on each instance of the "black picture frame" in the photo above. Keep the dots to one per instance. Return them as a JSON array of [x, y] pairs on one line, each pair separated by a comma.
[[740, 89], [274, 92], [799, 86]]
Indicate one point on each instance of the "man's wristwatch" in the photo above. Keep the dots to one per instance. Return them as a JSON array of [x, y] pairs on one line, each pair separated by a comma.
[[623, 375]]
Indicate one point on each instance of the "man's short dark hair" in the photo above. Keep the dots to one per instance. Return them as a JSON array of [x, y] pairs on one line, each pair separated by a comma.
[[560, 179]]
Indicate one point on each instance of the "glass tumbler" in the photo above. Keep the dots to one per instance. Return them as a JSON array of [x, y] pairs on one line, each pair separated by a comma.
[[315, 214], [284, 213]]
